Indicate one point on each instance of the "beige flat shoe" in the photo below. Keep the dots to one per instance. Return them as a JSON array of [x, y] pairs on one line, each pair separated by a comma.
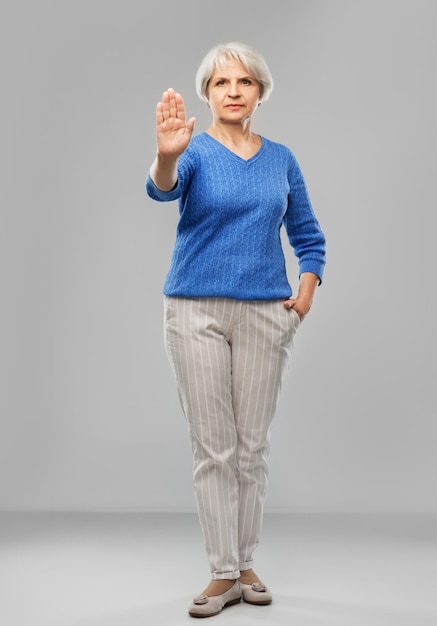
[[256, 594], [206, 606]]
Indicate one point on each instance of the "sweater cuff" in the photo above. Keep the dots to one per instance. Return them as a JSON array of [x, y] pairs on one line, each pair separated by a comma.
[[157, 194], [315, 267]]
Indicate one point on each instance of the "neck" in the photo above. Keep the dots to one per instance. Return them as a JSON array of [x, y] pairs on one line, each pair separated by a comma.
[[233, 134]]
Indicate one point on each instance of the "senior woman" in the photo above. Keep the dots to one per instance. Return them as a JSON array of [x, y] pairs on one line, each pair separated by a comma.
[[230, 312]]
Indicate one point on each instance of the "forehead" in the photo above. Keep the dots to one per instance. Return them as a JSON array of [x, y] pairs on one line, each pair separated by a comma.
[[230, 67]]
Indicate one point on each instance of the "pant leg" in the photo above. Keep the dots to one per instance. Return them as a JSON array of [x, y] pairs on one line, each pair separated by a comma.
[[261, 350], [196, 333]]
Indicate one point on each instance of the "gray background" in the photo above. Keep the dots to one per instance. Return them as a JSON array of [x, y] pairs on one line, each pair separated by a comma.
[[89, 414]]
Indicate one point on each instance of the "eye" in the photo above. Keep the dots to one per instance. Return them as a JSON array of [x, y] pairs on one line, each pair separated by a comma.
[[220, 82], [246, 81]]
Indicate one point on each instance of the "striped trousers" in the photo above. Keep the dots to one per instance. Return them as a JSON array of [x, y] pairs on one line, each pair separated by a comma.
[[229, 358]]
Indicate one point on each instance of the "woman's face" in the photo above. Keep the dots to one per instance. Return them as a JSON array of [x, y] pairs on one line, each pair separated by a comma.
[[233, 94]]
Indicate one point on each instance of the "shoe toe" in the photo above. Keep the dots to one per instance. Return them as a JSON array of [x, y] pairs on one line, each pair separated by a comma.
[[206, 606], [257, 593]]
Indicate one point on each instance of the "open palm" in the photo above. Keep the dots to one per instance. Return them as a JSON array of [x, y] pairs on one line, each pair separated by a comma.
[[173, 130]]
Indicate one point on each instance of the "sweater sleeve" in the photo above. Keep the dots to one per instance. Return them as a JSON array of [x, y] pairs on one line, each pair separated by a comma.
[[303, 229], [186, 166], [161, 196]]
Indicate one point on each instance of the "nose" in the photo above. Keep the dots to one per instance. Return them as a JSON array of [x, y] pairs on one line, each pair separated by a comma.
[[233, 90]]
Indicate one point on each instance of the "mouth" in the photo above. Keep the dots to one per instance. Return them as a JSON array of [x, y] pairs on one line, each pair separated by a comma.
[[234, 107]]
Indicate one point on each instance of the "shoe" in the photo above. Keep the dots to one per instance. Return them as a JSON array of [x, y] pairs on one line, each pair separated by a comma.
[[256, 594], [205, 606]]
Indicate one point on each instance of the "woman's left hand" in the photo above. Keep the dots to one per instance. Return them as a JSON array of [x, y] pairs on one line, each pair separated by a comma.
[[299, 305], [304, 299]]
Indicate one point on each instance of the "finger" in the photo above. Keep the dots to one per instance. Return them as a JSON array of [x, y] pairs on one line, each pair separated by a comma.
[[180, 107], [165, 105], [172, 103], [159, 114]]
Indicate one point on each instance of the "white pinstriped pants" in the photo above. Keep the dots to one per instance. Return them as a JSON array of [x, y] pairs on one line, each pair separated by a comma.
[[229, 358]]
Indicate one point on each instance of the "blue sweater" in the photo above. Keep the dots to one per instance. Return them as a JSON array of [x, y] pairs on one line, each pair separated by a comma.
[[231, 210]]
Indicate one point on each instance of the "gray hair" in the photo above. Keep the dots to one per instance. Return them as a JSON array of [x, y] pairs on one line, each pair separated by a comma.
[[237, 51]]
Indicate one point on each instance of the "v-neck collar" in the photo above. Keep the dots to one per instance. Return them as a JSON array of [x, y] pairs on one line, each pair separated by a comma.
[[234, 154]]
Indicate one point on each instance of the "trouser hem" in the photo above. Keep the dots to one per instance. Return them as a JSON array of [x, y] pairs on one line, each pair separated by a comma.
[[245, 566], [225, 575]]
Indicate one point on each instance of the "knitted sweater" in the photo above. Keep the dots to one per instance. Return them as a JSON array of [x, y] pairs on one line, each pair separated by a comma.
[[231, 210]]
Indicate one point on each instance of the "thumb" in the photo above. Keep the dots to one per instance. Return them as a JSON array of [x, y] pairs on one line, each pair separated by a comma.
[[190, 124]]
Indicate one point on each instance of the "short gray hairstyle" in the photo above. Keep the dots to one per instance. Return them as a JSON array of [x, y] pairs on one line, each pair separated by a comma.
[[252, 60]]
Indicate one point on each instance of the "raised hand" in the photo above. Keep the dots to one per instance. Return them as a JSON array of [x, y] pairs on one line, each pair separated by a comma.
[[173, 131]]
